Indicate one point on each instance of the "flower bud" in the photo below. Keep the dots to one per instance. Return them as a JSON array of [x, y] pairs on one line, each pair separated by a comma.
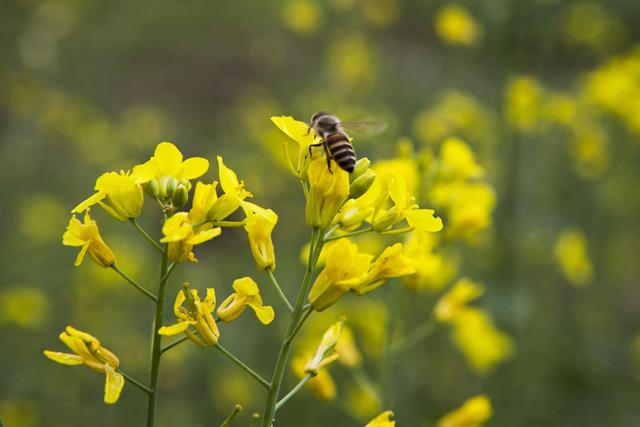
[[180, 196], [362, 165], [152, 188], [170, 186], [361, 184]]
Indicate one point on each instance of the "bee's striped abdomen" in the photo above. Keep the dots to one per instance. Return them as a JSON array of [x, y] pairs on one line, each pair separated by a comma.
[[341, 150]]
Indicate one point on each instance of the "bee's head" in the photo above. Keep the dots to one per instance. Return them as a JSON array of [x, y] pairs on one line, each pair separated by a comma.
[[323, 122]]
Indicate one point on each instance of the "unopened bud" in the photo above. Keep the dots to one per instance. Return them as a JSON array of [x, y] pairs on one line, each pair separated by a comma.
[[170, 186], [152, 188], [362, 165], [360, 185], [180, 196]]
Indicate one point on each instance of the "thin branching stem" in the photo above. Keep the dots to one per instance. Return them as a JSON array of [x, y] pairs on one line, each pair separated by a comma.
[[279, 290], [227, 422], [243, 365], [146, 235], [328, 237], [134, 283], [173, 344], [135, 382], [294, 390]]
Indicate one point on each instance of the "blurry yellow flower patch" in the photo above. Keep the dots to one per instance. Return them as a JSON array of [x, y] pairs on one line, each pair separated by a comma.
[[88, 351], [454, 25], [302, 16], [363, 401], [25, 306], [351, 62], [23, 413], [590, 25], [386, 419], [473, 413], [433, 269], [573, 258], [29, 212], [524, 103]]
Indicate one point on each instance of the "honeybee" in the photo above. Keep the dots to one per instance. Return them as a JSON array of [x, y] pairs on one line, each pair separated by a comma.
[[335, 141]]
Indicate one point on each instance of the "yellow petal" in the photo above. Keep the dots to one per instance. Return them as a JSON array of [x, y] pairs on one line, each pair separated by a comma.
[[228, 178], [92, 200], [204, 236], [194, 167], [144, 172], [246, 286], [64, 358], [386, 419], [81, 255], [210, 299], [423, 219], [296, 130], [113, 384], [264, 313], [175, 329], [168, 158]]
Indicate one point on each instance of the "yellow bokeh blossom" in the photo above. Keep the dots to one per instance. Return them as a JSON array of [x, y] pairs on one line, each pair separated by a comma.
[[454, 25], [87, 236], [571, 255], [322, 385], [24, 306], [328, 190], [457, 161], [392, 262], [344, 268], [259, 225], [473, 413], [348, 353], [451, 304], [196, 314], [433, 269], [524, 103], [246, 294], [385, 419], [119, 194], [181, 236], [302, 16], [88, 351]]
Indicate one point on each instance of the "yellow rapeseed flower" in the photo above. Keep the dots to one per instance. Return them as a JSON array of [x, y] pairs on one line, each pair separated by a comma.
[[196, 314], [325, 353], [328, 190], [433, 269], [454, 25], [204, 197], [391, 263], [473, 413], [571, 255], [234, 194], [451, 304], [90, 353], [300, 133], [259, 225], [120, 194], [167, 161], [246, 294], [87, 236], [385, 419], [182, 236], [457, 161], [344, 268]]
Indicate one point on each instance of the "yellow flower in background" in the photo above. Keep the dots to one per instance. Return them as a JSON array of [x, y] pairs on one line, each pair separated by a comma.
[[87, 236], [300, 133], [457, 161], [469, 206], [351, 61], [234, 194], [524, 103], [322, 385], [404, 167], [302, 16], [454, 25], [182, 236], [571, 255], [433, 270], [24, 306], [391, 263], [328, 190], [196, 314], [348, 353], [451, 304], [88, 351], [362, 399], [344, 268], [473, 413], [246, 294], [167, 161], [325, 353], [259, 225], [119, 194], [483, 345], [385, 419]]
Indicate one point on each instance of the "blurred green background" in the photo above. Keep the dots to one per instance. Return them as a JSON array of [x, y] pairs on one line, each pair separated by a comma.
[[546, 92]]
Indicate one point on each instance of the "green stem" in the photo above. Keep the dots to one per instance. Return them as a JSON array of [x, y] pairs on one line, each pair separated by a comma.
[[173, 344], [134, 283], [328, 238], [156, 341], [146, 235], [397, 231], [242, 365], [134, 381], [254, 419], [283, 297], [228, 223], [307, 310], [415, 336], [285, 348], [294, 390], [169, 271], [237, 408]]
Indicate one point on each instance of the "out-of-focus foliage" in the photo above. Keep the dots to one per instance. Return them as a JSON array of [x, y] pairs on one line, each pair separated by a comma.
[[519, 121]]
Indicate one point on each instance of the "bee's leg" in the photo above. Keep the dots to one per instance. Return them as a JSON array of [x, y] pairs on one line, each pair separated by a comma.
[[326, 150], [314, 145]]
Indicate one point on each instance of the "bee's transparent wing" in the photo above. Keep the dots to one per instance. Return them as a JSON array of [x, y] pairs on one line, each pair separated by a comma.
[[364, 128]]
